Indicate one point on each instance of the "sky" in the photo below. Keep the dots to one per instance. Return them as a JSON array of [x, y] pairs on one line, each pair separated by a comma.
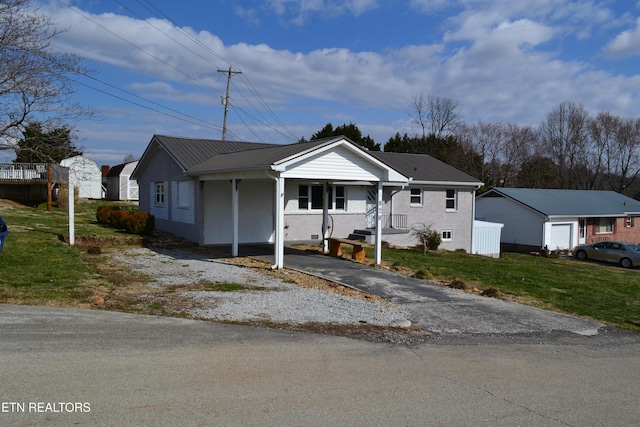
[[298, 65]]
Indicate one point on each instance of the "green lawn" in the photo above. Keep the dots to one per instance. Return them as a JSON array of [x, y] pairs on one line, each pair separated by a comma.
[[37, 267]]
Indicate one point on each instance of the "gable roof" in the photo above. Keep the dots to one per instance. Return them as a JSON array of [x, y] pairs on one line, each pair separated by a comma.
[[196, 156], [425, 169], [257, 158], [587, 203], [118, 169]]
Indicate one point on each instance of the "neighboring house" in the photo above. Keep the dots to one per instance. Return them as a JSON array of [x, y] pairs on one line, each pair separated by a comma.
[[120, 185], [85, 175], [217, 192], [559, 219], [30, 182]]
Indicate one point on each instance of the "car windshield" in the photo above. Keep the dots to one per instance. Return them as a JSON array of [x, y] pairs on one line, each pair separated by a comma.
[[634, 247]]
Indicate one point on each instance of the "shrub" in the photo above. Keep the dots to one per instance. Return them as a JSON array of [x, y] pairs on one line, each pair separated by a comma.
[[118, 217], [103, 215], [429, 238], [139, 223], [131, 222]]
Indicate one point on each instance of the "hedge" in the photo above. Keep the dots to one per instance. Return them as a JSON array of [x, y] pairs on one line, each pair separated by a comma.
[[131, 222]]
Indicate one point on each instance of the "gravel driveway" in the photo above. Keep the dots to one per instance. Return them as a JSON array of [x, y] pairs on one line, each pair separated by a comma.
[[286, 298]]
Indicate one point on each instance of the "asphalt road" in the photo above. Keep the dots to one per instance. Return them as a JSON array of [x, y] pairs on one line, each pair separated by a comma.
[[125, 370]]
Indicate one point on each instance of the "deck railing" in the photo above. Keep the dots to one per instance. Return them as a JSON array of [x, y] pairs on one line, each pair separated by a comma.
[[31, 172]]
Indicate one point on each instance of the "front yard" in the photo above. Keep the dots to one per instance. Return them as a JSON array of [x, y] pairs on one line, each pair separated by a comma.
[[38, 268]]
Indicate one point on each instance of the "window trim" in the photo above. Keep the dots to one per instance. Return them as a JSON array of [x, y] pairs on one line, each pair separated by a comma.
[[629, 222], [453, 199], [447, 239], [161, 193], [610, 227], [306, 197], [420, 196]]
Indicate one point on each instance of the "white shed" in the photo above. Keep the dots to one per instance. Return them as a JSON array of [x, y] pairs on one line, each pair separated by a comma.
[[486, 238], [120, 186], [85, 175]]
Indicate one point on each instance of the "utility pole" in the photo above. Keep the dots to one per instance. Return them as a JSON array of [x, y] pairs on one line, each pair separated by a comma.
[[225, 100]]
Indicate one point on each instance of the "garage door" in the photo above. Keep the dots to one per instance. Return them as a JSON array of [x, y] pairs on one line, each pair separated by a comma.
[[560, 236]]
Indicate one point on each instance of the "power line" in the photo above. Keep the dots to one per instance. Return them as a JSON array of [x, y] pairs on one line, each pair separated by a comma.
[[158, 13]]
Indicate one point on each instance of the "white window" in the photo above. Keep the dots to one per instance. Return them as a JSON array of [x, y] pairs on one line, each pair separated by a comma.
[[629, 222], [312, 197], [447, 235], [604, 225], [416, 197], [160, 193], [451, 202]]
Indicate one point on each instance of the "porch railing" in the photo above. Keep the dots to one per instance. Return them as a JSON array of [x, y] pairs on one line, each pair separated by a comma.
[[397, 221]]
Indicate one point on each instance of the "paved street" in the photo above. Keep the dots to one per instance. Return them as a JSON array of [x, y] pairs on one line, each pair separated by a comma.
[[144, 370]]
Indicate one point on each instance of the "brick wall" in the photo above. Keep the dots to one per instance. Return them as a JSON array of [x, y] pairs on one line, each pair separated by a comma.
[[620, 231]]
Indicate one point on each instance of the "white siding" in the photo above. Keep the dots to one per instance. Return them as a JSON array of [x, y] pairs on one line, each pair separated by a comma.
[[486, 238], [255, 221], [159, 210], [85, 175], [182, 212], [522, 226], [341, 164]]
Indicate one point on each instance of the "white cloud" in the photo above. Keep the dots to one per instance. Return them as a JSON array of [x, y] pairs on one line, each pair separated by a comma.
[[495, 62], [298, 12], [625, 44]]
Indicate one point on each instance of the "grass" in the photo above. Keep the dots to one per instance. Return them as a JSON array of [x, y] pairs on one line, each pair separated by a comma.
[[38, 268]]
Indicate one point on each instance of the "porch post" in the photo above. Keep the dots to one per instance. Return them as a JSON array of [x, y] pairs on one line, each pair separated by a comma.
[[325, 217], [378, 247], [234, 215], [279, 231]]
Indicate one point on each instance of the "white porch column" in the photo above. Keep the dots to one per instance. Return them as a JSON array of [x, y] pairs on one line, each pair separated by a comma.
[[279, 231], [234, 216], [378, 247], [325, 217]]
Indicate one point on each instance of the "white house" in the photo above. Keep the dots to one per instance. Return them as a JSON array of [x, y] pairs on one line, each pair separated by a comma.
[[85, 175], [536, 218], [120, 185], [220, 192]]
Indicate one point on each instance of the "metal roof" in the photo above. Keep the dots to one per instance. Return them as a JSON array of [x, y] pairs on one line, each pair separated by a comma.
[[200, 156], [570, 202], [189, 152], [424, 168]]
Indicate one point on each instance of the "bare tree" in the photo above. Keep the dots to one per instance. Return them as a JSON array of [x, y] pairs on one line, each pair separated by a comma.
[[35, 81], [520, 143], [436, 114], [602, 131], [623, 158], [564, 135]]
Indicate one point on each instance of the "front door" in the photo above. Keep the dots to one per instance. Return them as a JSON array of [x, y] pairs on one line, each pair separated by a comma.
[[370, 216], [582, 231]]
